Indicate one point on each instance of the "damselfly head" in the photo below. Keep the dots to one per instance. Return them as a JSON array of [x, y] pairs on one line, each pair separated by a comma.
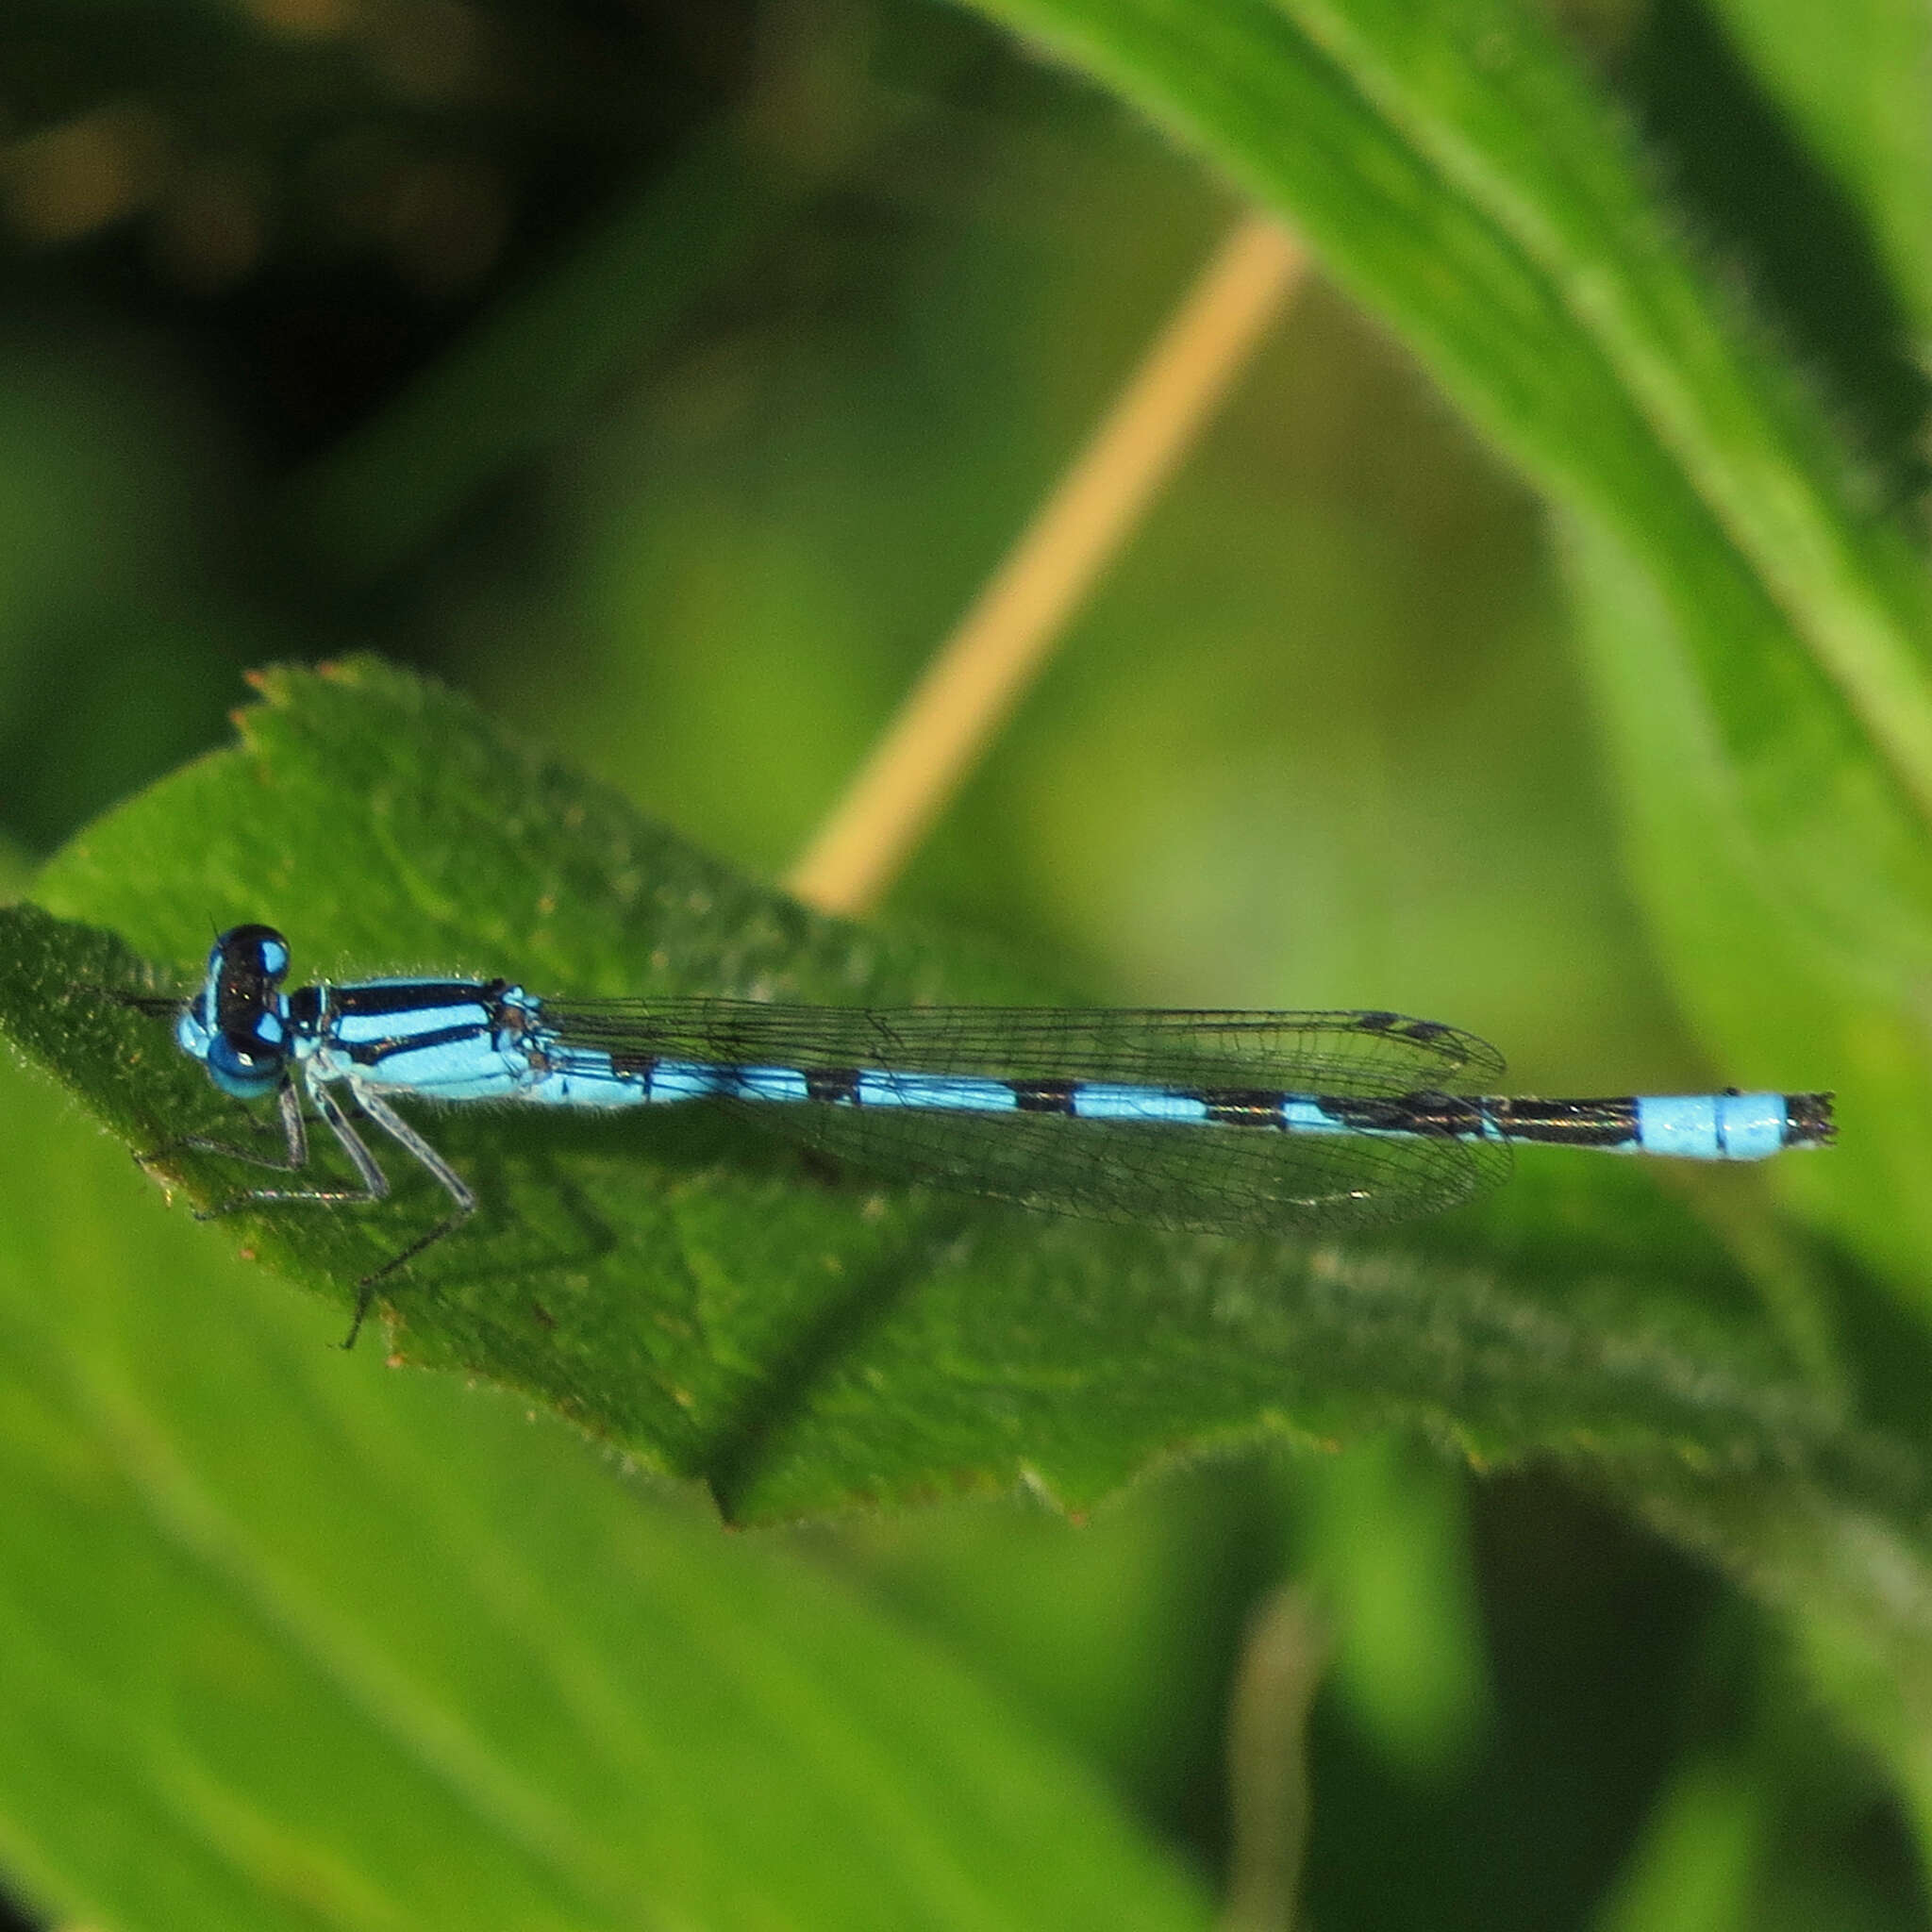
[[238, 1024]]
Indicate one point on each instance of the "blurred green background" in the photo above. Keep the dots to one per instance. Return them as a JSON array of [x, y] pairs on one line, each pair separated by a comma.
[[669, 377]]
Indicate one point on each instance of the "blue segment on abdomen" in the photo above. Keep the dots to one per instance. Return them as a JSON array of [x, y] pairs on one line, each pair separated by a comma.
[[1119, 1100], [948, 1092], [672, 1080], [1711, 1126], [1302, 1115]]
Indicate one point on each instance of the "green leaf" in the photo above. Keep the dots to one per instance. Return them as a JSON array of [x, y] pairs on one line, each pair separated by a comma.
[[287, 1640], [719, 1309], [715, 1305], [1695, 1870]]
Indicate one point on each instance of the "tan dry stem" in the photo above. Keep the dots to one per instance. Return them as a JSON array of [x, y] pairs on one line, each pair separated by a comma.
[[1282, 1663], [980, 672]]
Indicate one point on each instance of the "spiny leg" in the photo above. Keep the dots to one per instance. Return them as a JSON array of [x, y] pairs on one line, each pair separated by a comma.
[[406, 1137], [292, 1158], [374, 1182]]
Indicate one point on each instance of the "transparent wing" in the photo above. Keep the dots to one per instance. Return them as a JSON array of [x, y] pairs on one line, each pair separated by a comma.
[[1351, 1056], [1225, 1179]]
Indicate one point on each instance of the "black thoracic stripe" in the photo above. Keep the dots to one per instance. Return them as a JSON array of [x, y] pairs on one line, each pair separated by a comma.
[[1243, 1106], [370, 1053], [305, 1008], [635, 1066], [409, 998], [831, 1085], [1043, 1096], [1567, 1123]]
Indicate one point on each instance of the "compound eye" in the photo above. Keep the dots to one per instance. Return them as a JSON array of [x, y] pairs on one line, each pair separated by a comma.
[[246, 1067], [259, 951]]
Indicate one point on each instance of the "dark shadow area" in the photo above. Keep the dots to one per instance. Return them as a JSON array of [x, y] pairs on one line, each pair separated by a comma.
[[1595, 1631], [1762, 202]]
